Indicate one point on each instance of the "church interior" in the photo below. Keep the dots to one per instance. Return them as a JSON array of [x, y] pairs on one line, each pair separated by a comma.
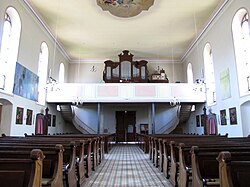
[[124, 93]]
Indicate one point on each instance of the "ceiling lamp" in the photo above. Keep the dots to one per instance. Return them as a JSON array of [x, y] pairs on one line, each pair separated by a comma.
[[125, 8]]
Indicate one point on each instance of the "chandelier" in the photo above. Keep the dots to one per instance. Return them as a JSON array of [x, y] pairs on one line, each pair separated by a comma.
[[125, 8]]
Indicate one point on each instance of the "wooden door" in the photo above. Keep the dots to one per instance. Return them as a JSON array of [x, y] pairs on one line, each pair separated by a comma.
[[125, 126]]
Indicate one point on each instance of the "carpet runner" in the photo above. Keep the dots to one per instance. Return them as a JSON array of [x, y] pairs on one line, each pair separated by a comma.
[[127, 166]]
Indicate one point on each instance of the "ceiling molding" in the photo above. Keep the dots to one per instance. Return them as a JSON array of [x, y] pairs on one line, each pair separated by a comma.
[[48, 30], [205, 28]]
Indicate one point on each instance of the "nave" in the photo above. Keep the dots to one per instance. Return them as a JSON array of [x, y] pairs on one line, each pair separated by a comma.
[[127, 165]]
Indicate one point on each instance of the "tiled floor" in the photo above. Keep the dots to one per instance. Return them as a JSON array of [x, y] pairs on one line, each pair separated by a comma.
[[127, 165]]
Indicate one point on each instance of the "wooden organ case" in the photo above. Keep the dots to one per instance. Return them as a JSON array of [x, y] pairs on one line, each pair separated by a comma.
[[126, 70]]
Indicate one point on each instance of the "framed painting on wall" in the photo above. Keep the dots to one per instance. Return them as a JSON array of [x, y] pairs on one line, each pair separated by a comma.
[[198, 121], [19, 115], [225, 84], [223, 119], [144, 128], [233, 116], [202, 120], [49, 120], [1, 108], [29, 115], [25, 83], [54, 121]]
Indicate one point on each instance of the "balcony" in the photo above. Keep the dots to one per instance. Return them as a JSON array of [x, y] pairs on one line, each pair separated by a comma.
[[125, 93]]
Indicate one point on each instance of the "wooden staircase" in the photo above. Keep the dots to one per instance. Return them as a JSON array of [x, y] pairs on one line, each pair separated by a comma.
[[185, 112]]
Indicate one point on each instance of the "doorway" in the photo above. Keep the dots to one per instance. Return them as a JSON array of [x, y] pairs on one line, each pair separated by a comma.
[[125, 126], [5, 116]]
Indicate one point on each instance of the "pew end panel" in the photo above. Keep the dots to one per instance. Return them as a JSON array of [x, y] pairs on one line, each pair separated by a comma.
[[22, 172], [234, 169]]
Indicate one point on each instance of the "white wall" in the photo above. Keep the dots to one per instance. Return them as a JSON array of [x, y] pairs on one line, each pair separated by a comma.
[[82, 72], [245, 110], [109, 120], [164, 114], [88, 114], [223, 57], [32, 35]]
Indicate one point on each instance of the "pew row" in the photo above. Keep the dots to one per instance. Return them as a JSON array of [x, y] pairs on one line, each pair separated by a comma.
[[22, 172], [234, 169], [205, 167], [88, 151], [52, 163]]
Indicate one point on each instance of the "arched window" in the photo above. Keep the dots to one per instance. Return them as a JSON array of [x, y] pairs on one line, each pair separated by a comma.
[[42, 72], [9, 49], [240, 28], [61, 73], [209, 74], [190, 77]]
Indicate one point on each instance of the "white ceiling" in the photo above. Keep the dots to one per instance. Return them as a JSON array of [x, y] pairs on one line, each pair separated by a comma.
[[163, 33]]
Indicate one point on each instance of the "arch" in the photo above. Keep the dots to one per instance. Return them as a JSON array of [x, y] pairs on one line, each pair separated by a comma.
[[209, 74], [245, 118], [61, 73], [9, 48], [5, 116], [190, 76], [241, 39], [42, 72]]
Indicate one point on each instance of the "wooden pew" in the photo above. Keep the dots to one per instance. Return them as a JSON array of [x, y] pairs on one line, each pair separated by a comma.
[[82, 147], [234, 169], [52, 164], [205, 167], [184, 156], [22, 172], [143, 142], [154, 145], [92, 150], [95, 147], [164, 156]]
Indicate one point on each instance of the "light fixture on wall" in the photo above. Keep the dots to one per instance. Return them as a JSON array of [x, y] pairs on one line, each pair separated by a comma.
[[78, 101], [248, 83], [2, 81], [174, 102], [93, 69]]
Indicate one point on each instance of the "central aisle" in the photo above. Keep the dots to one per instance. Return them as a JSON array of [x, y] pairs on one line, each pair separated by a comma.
[[127, 165]]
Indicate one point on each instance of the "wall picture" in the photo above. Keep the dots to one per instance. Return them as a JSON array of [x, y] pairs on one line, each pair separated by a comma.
[[233, 116], [25, 83], [1, 108], [144, 128], [19, 115], [198, 121], [54, 121], [29, 115], [225, 84], [223, 119], [202, 120], [49, 120]]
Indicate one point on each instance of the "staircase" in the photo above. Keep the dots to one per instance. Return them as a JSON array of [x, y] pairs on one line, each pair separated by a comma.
[[184, 112], [69, 117], [66, 112]]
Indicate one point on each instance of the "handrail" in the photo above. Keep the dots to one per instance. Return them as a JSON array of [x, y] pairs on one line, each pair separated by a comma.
[[81, 124], [167, 128]]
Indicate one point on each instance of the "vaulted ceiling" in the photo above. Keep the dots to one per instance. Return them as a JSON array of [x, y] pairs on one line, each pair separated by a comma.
[[162, 33]]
